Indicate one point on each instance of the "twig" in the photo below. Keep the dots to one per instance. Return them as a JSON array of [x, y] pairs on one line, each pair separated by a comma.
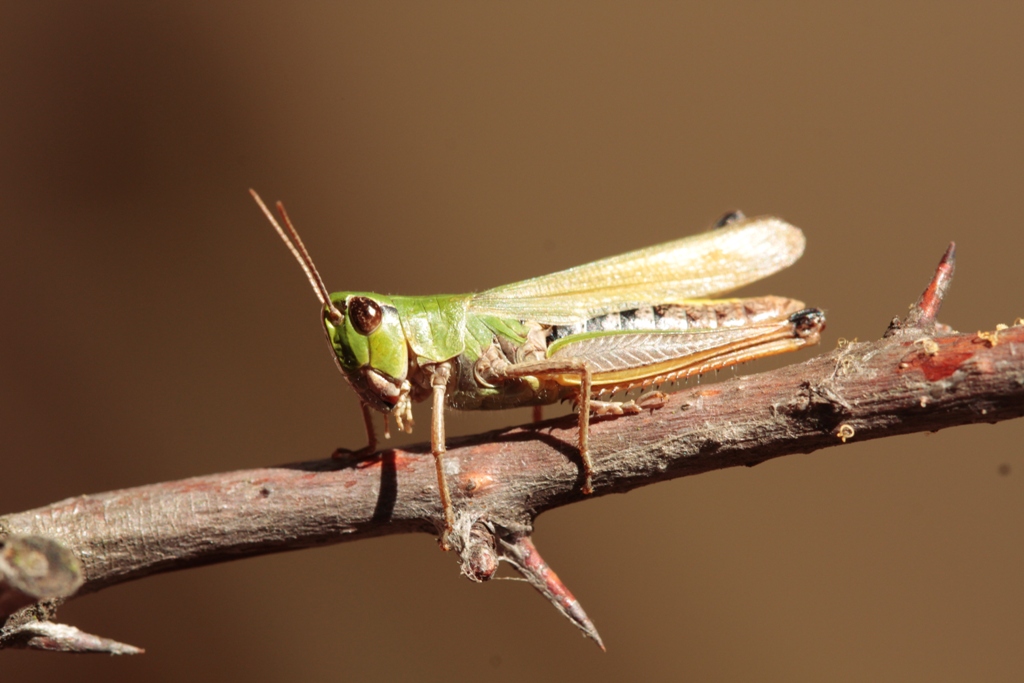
[[919, 377]]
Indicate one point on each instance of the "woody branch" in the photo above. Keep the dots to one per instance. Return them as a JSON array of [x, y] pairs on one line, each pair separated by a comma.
[[920, 376]]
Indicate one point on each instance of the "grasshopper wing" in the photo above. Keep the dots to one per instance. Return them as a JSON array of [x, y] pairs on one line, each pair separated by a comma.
[[712, 262]]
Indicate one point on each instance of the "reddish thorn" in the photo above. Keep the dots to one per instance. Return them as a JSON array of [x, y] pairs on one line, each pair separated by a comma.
[[927, 307], [47, 635], [524, 557]]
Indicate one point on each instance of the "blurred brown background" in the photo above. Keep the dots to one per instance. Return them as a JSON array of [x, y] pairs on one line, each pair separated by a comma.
[[155, 328]]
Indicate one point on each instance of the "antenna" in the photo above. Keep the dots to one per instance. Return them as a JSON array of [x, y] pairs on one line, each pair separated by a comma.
[[294, 243]]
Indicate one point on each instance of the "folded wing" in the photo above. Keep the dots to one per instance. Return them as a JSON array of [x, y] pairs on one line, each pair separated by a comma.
[[709, 263]]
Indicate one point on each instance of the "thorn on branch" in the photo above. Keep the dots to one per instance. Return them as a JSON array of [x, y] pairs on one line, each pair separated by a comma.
[[46, 635], [922, 314], [486, 544], [522, 554]]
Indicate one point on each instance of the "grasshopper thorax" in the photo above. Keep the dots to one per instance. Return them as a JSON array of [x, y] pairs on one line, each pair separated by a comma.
[[365, 333]]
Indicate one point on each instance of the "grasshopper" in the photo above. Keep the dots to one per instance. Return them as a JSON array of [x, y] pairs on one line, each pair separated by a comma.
[[621, 323]]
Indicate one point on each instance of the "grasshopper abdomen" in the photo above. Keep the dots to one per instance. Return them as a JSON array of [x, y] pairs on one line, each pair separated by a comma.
[[683, 317]]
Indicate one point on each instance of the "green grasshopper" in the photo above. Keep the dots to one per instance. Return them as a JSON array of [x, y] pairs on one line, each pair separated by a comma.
[[621, 323]]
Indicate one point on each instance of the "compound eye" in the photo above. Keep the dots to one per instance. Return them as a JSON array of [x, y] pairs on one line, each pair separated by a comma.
[[365, 314]]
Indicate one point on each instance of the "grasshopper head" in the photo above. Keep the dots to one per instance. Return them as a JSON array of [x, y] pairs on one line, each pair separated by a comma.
[[365, 333]]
